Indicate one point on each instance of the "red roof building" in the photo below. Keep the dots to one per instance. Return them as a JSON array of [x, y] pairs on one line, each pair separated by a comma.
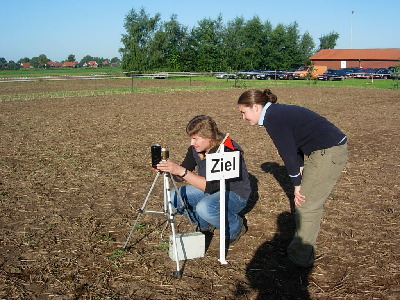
[[54, 64], [70, 64], [92, 64], [25, 65], [363, 58]]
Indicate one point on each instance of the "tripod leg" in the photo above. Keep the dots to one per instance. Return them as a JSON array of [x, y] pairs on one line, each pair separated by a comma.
[[141, 210], [182, 203], [167, 200]]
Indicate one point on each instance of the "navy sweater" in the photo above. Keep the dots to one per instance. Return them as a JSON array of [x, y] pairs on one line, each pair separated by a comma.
[[297, 131], [240, 185]]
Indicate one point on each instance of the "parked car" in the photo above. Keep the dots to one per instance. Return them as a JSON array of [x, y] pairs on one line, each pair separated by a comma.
[[249, 74], [364, 74], [286, 75], [382, 73], [333, 74], [268, 75], [225, 76], [303, 71], [350, 71], [253, 74]]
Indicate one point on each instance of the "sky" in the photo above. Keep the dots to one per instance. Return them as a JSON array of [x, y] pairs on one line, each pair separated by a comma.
[[94, 27]]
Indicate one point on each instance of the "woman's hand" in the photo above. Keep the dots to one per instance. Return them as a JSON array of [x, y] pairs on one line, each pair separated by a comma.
[[168, 166], [298, 198]]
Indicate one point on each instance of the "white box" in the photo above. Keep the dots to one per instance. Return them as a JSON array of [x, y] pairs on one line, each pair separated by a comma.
[[189, 245]]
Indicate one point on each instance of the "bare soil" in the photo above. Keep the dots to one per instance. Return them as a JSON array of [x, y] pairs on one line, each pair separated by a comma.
[[74, 171]]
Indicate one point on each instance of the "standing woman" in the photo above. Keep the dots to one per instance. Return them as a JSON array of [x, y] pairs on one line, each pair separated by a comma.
[[298, 132]]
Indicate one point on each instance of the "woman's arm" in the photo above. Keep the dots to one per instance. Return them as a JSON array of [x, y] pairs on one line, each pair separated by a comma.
[[174, 169]]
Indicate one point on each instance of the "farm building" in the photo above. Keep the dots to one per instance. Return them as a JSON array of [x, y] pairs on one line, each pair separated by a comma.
[[363, 58], [26, 65]]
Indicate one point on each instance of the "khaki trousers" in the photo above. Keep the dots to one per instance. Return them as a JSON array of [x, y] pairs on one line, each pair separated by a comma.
[[321, 171]]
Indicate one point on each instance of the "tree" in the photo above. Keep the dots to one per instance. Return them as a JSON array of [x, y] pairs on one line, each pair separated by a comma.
[[328, 41], [277, 47], [35, 62], [292, 50], [13, 66], [43, 60], [206, 40], [254, 42], [233, 42], [25, 59], [86, 59], [175, 36], [167, 45], [150, 45], [307, 46], [71, 58], [3, 63], [140, 29]]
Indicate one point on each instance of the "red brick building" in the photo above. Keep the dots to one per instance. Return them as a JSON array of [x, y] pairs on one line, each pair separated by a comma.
[[363, 58]]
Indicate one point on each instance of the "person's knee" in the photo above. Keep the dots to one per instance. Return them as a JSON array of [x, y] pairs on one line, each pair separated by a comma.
[[202, 209]]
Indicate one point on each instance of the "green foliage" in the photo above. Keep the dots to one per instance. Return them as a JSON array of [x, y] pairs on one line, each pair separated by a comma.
[[71, 58], [140, 28], [25, 59], [212, 45], [328, 41]]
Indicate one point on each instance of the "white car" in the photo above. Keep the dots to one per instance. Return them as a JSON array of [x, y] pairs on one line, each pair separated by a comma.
[[225, 76]]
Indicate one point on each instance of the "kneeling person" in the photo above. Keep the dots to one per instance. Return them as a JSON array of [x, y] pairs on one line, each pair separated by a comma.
[[202, 197]]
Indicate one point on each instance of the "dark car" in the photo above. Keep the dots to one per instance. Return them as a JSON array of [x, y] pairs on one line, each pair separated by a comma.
[[333, 74], [383, 73], [364, 74], [350, 71], [287, 75], [249, 74]]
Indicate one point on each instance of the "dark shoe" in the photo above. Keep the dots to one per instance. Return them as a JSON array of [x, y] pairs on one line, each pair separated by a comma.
[[286, 262], [242, 231]]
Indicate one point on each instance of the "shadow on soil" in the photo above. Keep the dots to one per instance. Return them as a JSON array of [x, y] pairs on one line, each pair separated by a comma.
[[280, 174], [253, 198], [271, 280]]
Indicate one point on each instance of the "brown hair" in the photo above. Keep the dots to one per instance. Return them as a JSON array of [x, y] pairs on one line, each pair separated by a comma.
[[254, 96], [205, 127]]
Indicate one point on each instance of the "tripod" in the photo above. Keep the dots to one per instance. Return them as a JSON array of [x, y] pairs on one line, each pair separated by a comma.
[[167, 212]]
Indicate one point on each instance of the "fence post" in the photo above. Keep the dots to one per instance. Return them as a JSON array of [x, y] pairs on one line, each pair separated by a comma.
[[131, 82]]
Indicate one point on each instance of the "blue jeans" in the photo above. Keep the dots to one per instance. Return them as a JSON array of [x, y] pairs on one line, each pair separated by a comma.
[[203, 208]]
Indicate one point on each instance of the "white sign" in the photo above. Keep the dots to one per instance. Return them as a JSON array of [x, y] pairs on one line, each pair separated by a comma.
[[220, 166], [223, 165]]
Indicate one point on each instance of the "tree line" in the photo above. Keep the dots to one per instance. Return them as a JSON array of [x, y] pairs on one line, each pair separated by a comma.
[[42, 60], [213, 46]]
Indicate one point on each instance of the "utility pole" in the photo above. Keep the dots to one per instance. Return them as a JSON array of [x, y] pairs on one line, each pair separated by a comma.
[[351, 29]]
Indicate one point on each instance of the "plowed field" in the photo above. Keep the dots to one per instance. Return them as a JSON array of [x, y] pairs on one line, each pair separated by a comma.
[[74, 171]]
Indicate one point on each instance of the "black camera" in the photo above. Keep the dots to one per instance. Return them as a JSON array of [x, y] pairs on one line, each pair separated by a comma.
[[158, 154]]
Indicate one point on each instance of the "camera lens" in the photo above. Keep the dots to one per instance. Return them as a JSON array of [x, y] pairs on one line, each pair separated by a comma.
[[164, 154]]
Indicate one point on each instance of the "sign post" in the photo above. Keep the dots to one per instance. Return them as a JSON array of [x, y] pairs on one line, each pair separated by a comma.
[[222, 166]]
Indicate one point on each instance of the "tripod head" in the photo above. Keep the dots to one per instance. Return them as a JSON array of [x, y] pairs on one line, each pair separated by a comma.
[[157, 154]]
